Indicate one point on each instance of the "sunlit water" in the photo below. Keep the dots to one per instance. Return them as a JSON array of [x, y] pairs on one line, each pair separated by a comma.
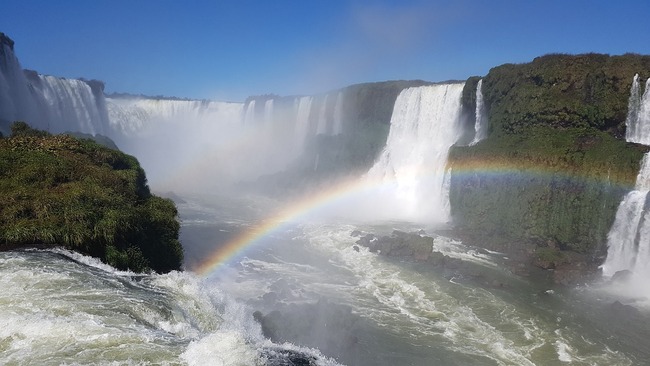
[[332, 303]]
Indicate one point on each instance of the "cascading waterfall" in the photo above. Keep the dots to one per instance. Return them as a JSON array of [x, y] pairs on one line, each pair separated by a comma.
[[303, 110], [249, 117], [47, 102], [411, 169], [268, 112], [71, 105], [322, 118], [480, 126], [135, 116], [338, 115], [638, 118], [628, 240], [185, 130], [16, 100]]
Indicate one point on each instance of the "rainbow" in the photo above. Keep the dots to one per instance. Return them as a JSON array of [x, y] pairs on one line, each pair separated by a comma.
[[284, 217], [354, 188]]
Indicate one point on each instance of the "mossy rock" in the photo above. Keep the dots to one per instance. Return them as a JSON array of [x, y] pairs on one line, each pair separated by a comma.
[[62, 191], [545, 184], [563, 91]]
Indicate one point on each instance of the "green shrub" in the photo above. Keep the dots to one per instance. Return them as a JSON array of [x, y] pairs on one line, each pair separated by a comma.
[[577, 91], [58, 190]]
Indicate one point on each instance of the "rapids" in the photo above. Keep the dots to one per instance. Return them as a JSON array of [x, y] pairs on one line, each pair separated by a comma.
[[326, 303]]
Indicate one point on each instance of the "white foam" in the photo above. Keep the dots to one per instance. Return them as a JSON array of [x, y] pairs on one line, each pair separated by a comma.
[[563, 351], [222, 348]]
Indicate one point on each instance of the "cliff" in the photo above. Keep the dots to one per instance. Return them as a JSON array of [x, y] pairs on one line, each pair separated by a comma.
[[5, 40], [563, 91], [61, 191], [555, 166], [366, 116]]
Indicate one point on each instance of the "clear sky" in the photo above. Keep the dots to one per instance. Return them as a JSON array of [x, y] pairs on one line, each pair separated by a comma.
[[227, 50]]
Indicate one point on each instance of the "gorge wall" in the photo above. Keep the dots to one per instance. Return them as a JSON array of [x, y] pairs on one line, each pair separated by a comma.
[[47, 102], [555, 165]]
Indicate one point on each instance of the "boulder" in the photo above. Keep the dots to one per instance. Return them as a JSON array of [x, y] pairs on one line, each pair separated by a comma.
[[399, 244]]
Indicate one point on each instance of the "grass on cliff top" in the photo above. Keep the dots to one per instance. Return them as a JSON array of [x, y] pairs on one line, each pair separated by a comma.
[[588, 90], [578, 152], [62, 191]]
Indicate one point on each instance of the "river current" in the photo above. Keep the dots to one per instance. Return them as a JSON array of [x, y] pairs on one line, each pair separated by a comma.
[[322, 300]]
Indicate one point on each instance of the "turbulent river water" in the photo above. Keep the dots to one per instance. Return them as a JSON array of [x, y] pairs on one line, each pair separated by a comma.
[[325, 302]]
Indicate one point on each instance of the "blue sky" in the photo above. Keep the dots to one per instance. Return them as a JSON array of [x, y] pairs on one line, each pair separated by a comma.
[[227, 50]]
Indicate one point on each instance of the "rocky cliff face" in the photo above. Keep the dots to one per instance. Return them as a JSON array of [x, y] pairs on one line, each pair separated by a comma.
[[555, 165], [563, 91]]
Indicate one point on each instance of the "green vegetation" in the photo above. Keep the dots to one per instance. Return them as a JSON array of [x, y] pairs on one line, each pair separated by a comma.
[[63, 191], [551, 174], [552, 187], [580, 91]]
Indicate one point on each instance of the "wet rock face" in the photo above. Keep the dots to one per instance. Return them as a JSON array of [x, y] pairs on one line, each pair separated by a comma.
[[4, 39], [287, 357], [399, 244]]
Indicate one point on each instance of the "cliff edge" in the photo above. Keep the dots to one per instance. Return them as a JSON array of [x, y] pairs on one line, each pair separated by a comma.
[[547, 181], [61, 191]]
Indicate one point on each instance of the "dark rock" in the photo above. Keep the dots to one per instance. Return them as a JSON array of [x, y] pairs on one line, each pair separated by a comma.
[[621, 276], [356, 248], [368, 242], [270, 297], [400, 244], [437, 259], [619, 309], [285, 357], [356, 233], [4, 39]]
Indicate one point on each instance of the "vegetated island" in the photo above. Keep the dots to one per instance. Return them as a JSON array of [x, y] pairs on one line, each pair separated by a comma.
[[61, 191]]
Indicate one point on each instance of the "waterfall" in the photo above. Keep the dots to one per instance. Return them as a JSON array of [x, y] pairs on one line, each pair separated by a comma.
[[47, 102], [268, 112], [136, 116], [629, 238], [322, 118], [338, 115], [71, 105], [637, 122], [411, 169], [16, 100], [480, 126], [249, 116], [628, 241], [303, 111]]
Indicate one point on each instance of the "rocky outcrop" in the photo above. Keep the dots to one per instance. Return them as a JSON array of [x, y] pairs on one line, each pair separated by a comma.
[[59, 191], [5, 40], [563, 91], [399, 244], [555, 166]]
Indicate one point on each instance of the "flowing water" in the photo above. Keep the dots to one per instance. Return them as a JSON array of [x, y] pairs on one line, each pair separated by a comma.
[[481, 123], [300, 291], [328, 304], [628, 240], [412, 166]]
